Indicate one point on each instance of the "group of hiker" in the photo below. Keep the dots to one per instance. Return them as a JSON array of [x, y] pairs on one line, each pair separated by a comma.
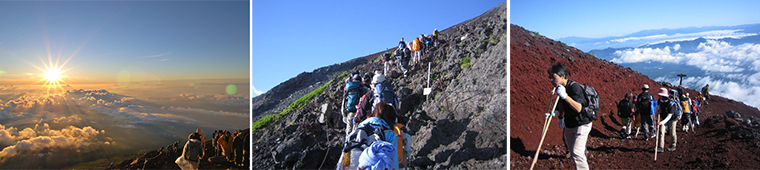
[[228, 147], [411, 51], [577, 105], [374, 137]]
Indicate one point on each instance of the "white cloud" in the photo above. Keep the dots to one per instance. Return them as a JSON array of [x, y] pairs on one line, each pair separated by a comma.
[[220, 99], [660, 38], [645, 54], [676, 47], [620, 40], [204, 111], [165, 59], [42, 137], [715, 56], [257, 92], [157, 55]]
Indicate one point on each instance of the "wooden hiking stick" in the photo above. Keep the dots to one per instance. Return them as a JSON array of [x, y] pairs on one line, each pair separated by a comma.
[[543, 134], [657, 137]]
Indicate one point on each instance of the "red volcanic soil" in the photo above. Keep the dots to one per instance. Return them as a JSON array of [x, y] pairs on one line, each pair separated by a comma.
[[715, 144]]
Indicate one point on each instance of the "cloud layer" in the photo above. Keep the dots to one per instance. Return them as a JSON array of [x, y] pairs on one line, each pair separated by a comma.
[[38, 138], [733, 71]]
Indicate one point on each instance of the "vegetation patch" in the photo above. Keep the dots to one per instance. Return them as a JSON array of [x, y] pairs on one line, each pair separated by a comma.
[[461, 44], [494, 41], [342, 74], [263, 121], [465, 63]]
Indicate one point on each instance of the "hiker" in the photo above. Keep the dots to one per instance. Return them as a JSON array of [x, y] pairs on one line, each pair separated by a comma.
[[434, 37], [706, 93], [644, 108], [192, 153], [402, 44], [687, 112], [625, 112], [425, 42], [351, 94], [401, 61], [364, 107], [576, 126], [698, 104], [377, 127], [383, 91], [668, 109], [417, 51], [226, 143]]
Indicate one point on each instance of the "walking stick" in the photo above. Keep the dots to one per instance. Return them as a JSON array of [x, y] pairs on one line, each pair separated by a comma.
[[543, 134], [657, 137]]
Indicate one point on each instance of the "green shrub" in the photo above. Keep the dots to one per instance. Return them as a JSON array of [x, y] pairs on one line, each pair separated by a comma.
[[494, 41], [461, 44], [263, 121], [465, 63], [343, 74]]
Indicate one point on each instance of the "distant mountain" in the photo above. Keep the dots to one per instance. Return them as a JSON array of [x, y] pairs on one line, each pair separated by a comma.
[[655, 36]]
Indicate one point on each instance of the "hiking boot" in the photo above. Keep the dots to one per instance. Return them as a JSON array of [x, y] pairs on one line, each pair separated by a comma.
[[672, 148], [628, 137]]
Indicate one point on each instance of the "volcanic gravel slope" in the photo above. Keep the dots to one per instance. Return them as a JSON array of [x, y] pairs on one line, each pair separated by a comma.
[[718, 143], [461, 125]]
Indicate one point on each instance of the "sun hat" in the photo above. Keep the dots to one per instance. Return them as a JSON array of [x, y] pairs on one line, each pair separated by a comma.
[[378, 78], [663, 92]]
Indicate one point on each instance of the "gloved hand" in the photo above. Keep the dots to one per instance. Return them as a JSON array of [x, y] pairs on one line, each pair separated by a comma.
[[561, 123], [561, 92]]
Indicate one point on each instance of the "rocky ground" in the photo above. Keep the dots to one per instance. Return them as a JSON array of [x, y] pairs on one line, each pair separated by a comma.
[[721, 141], [461, 125]]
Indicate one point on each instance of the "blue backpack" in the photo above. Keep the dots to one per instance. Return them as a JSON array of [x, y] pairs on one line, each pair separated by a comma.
[[353, 90], [384, 93]]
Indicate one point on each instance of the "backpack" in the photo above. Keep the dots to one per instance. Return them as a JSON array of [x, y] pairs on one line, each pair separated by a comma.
[[625, 108], [384, 93], [647, 100], [364, 107], [592, 100], [374, 128], [353, 89], [193, 150], [679, 110]]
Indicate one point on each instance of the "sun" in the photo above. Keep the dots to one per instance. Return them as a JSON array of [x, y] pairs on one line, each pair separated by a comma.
[[53, 76]]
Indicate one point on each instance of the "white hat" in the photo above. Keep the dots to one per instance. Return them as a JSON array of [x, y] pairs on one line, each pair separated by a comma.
[[645, 86], [378, 78]]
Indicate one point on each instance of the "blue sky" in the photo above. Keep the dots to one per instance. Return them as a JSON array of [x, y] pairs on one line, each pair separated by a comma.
[[102, 40], [293, 37], [597, 18]]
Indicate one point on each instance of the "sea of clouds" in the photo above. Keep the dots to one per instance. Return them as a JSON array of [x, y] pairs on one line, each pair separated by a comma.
[[32, 108], [732, 70]]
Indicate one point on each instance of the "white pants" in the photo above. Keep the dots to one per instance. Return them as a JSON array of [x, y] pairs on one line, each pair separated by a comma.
[[576, 138]]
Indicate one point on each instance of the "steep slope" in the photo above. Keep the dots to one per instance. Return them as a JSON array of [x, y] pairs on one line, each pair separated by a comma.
[[718, 143], [461, 125]]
